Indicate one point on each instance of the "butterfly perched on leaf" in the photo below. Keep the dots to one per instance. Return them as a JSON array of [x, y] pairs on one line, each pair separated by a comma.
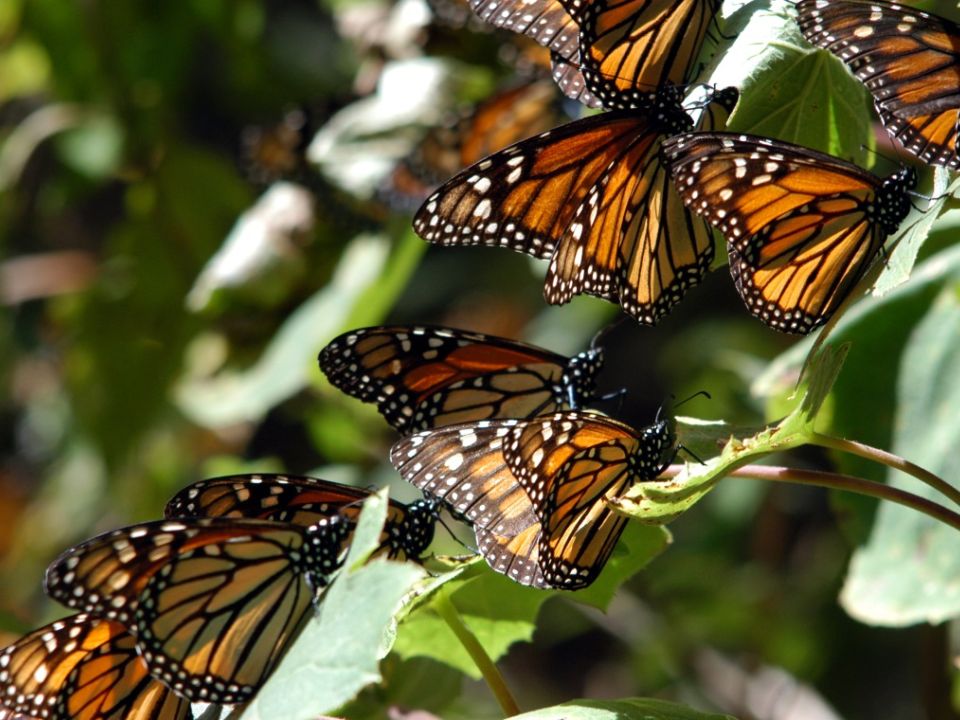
[[212, 602], [305, 501], [909, 60], [593, 198], [802, 227], [82, 668], [421, 376], [536, 490], [505, 117]]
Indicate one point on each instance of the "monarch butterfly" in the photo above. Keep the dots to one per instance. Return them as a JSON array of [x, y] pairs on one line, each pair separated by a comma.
[[603, 50], [802, 226], [305, 501], [423, 377], [593, 197], [212, 602], [909, 62], [505, 117], [536, 490], [82, 668], [628, 44]]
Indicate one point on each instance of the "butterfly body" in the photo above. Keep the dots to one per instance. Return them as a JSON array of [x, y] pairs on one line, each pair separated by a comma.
[[909, 60], [537, 490], [306, 501], [82, 668], [593, 198], [212, 602], [802, 227], [423, 376]]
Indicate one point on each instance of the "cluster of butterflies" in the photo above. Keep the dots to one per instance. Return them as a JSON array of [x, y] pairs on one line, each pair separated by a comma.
[[200, 606], [621, 203]]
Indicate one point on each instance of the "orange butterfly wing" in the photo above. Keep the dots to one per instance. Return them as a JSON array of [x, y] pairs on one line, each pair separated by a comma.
[[802, 226], [909, 61], [83, 668]]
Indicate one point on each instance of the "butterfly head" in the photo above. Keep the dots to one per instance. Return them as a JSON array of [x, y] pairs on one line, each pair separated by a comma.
[[892, 204], [418, 525], [579, 385], [657, 447]]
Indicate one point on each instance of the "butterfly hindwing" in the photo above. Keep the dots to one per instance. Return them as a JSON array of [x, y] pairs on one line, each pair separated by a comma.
[[83, 668], [640, 44], [802, 226], [909, 60]]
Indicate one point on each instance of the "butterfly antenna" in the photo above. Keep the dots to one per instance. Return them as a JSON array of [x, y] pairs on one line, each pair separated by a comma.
[[689, 452], [698, 393], [455, 537]]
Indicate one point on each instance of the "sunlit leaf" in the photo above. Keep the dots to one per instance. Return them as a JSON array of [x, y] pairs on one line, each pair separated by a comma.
[[628, 709]]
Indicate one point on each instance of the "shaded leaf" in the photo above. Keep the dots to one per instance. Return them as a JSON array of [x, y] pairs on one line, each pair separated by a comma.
[[909, 571]]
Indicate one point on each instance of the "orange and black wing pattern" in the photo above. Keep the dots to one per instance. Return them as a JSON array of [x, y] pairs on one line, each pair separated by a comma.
[[536, 490], [628, 45], [212, 602], [305, 501], [909, 61], [82, 668], [422, 376], [593, 197], [802, 226], [570, 465]]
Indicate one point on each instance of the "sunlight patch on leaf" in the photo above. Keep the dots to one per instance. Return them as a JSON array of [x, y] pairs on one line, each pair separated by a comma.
[[789, 90], [370, 263]]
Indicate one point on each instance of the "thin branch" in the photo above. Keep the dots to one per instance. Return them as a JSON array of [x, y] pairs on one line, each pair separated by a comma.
[[491, 674], [891, 460], [838, 481]]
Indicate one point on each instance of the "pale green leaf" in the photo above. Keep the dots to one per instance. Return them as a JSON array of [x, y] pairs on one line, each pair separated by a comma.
[[625, 709], [909, 571]]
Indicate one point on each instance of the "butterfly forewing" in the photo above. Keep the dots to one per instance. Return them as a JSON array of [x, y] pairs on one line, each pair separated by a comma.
[[909, 61], [463, 465], [83, 668], [582, 531], [423, 377], [524, 197]]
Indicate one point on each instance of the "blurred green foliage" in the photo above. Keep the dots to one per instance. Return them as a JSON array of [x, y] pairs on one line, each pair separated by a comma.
[[123, 170]]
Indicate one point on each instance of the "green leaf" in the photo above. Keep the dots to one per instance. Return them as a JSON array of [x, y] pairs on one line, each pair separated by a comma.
[[338, 652], [500, 612], [790, 90], [288, 362], [909, 571], [625, 709], [366, 536]]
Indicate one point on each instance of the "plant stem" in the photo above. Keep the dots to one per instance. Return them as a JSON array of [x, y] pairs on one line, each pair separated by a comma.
[[891, 460], [838, 481], [446, 609]]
